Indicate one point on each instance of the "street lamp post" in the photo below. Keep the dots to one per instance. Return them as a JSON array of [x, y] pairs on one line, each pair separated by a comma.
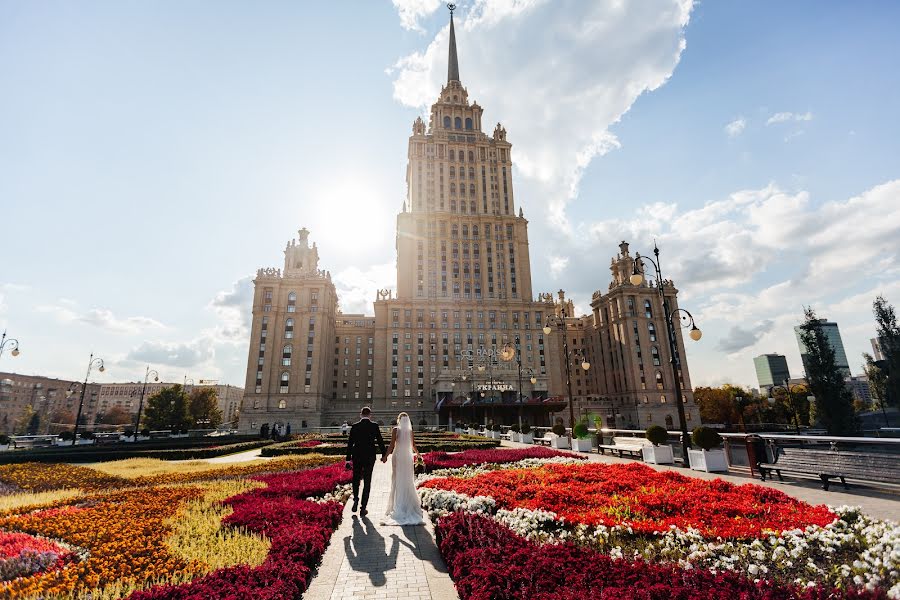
[[786, 386], [137, 421], [13, 342], [91, 362], [508, 353], [686, 320], [560, 323]]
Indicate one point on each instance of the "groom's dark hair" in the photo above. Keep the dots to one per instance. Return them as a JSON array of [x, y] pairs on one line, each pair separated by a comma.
[[366, 411]]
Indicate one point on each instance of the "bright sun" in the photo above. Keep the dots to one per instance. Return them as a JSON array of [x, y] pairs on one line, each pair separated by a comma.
[[349, 217]]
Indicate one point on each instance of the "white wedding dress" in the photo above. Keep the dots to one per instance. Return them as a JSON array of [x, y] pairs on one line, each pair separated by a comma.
[[403, 507]]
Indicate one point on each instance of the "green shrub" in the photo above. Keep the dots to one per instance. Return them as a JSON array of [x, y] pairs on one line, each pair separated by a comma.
[[514, 428], [526, 428], [495, 427], [706, 438], [559, 429], [4, 439], [657, 434], [580, 430]]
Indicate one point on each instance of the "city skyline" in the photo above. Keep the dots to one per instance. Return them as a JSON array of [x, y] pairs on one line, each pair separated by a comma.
[[166, 278]]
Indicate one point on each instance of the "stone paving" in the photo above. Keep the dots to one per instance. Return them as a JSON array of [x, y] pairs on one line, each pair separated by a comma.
[[368, 560]]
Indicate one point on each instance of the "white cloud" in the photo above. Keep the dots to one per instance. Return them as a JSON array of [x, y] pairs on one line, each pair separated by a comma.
[[177, 354], [558, 264], [736, 127], [66, 312], [784, 117], [234, 309], [411, 11], [357, 287], [559, 74]]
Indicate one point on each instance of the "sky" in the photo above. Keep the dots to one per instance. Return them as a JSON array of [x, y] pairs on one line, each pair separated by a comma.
[[154, 155]]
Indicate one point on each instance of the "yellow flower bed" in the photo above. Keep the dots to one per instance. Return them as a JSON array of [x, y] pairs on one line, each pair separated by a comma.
[[197, 534]]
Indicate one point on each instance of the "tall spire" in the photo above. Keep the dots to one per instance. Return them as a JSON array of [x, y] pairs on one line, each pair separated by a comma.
[[453, 62]]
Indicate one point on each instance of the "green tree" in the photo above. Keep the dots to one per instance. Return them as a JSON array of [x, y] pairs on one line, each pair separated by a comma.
[[34, 424], [889, 338], [115, 416], [167, 409], [204, 408], [21, 426], [834, 402], [721, 404]]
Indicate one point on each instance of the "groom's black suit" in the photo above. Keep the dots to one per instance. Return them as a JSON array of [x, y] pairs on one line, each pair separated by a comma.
[[364, 435]]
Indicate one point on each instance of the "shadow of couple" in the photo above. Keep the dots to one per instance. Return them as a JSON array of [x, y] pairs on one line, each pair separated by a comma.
[[367, 549]]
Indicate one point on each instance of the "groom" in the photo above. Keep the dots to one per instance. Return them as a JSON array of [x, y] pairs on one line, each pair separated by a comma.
[[364, 434]]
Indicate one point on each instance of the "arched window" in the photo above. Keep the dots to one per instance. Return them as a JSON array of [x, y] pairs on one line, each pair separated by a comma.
[[472, 189], [472, 205], [289, 328], [471, 172], [285, 382], [475, 233], [452, 154], [648, 311], [452, 205], [646, 400], [662, 399], [292, 297], [659, 380], [471, 157], [670, 424], [465, 232], [462, 189], [457, 123], [652, 329], [282, 404], [256, 403], [462, 205], [286, 355], [447, 124], [292, 302], [452, 189], [468, 123], [654, 352], [452, 172]]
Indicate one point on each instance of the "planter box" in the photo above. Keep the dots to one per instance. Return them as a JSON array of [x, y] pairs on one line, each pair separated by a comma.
[[559, 442], [513, 436], [581, 445], [711, 461], [494, 435], [4, 447], [526, 438], [472, 432], [83, 442], [659, 455]]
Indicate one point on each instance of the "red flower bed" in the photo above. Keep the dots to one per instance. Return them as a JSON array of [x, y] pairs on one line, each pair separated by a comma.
[[488, 561], [443, 460], [308, 443], [648, 500], [298, 528]]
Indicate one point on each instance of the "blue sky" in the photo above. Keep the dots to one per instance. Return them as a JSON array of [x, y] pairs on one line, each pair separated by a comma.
[[152, 156]]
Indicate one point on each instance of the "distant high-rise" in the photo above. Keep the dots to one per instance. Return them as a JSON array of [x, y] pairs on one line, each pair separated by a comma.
[[833, 334], [877, 352], [771, 369]]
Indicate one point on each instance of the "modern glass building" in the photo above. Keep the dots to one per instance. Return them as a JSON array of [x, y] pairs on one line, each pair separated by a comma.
[[833, 334], [771, 369]]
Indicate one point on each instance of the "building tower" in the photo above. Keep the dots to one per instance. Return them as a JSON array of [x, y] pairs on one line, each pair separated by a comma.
[[290, 341], [771, 370], [833, 334], [633, 376]]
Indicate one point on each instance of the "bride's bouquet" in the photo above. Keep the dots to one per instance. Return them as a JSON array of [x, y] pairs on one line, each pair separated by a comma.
[[419, 465]]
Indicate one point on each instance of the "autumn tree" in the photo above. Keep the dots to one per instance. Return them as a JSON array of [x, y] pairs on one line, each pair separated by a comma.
[[721, 404], [834, 402], [167, 409], [204, 408], [115, 416], [889, 339]]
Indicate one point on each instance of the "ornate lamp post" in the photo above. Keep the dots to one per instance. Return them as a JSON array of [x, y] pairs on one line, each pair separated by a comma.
[[560, 323], [686, 319], [12, 342], [508, 353], [91, 362], [137, 421], [786, 386]]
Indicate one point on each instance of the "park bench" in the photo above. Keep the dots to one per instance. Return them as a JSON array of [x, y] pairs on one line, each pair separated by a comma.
[[874, 467], [625, 445]]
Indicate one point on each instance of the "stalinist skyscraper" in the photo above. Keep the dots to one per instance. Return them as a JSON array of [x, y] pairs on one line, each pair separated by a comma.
[[448, 342]]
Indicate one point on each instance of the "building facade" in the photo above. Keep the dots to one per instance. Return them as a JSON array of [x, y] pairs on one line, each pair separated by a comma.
[[461, 337], [833, 334], [54, 400], [771, 369], [127, 396]]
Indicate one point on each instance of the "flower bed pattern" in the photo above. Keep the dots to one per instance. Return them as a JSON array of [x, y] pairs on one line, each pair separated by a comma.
[[442, 460], [114, 542], [765, 537], [648, 501], [488, 561]]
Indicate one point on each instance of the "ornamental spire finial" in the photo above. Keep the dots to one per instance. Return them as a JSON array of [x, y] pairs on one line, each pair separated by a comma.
[[453, 62]]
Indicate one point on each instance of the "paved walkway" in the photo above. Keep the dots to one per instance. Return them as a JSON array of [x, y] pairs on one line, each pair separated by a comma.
[[368, 560]]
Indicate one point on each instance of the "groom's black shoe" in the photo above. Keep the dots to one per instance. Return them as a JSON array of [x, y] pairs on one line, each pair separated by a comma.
[[355, 505], [363, 512]]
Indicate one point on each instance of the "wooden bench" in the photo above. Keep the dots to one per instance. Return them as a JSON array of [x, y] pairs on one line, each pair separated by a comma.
[[625, 445], [542, 440], [875, 467]]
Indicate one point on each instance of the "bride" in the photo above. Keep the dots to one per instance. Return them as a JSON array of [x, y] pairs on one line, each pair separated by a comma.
[[403, 507]]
